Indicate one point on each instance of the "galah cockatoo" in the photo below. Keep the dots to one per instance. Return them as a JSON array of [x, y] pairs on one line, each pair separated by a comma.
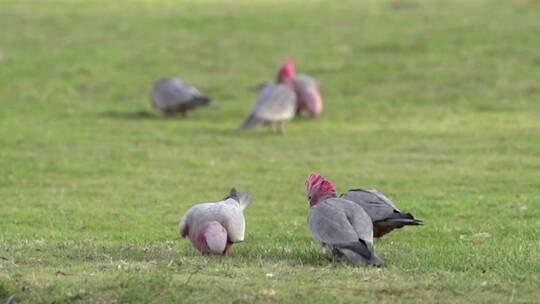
[[172, 96], [341, 226], [214, 227], [308, 96], [382, 211], [277, 101]]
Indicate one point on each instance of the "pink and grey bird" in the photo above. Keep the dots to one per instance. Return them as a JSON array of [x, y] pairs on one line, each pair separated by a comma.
[[277, 101], [308, 96], [214, 227], [382, 211], [173, 96], [339, 225]]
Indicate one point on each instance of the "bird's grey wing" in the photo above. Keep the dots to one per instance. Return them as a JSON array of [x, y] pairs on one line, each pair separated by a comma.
[[329, 225], [384, 214], [169, 93], [196, 216], [230, 214], [276, 102], [357, 217], [303, 82], [187, 222], [345, 226], [376, 204], [384, 198]]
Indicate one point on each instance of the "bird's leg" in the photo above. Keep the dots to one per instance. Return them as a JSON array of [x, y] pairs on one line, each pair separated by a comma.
[[269, 124], [227, 248], [279, 127], [330, 254], [168, 113]]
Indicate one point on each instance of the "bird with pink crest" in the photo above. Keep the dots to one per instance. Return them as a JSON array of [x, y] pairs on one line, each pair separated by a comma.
[[342, 227], [308, 95], [277, 101]]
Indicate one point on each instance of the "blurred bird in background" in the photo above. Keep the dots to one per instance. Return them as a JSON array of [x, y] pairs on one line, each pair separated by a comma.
[[277, 101], [308, 95], [174, 96]]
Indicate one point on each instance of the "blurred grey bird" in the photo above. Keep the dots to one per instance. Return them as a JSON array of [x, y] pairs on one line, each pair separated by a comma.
[[339, 225], [172, 96], [382, 211], [276, 102], [308, 95]]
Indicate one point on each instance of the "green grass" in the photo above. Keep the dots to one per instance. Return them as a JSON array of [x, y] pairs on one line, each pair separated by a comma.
[[435, 103]]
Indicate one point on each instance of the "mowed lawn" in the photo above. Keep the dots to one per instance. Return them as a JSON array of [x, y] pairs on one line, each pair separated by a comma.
[[436, 103]]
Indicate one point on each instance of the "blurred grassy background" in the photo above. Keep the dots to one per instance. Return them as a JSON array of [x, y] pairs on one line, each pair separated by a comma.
[[435, 103]]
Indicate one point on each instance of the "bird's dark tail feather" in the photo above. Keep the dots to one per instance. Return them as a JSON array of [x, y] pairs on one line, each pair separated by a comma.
[[401, 219], [250, 123], [404, 222]]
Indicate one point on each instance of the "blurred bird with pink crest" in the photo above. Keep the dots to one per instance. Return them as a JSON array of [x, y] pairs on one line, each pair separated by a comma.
[[277, 101], [308, 95]]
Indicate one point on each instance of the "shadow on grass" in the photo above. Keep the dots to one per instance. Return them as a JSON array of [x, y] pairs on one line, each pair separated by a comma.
[[261, 132], [135, 115], [154, 115], [109, 256], [209, 126], [303, 119]]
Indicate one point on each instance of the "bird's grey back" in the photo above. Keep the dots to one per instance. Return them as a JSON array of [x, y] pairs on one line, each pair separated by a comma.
[[338, 221], [358, 217], [168, 93], [375, 203], [303, 82], [276, 102], [227, 212]]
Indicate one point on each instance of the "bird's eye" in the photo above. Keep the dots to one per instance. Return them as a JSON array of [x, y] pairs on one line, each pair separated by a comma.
[[309, 197]]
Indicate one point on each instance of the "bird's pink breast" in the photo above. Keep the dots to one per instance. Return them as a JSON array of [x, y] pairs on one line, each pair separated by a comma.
[[199, 242], [211, 238], [313, 101]]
